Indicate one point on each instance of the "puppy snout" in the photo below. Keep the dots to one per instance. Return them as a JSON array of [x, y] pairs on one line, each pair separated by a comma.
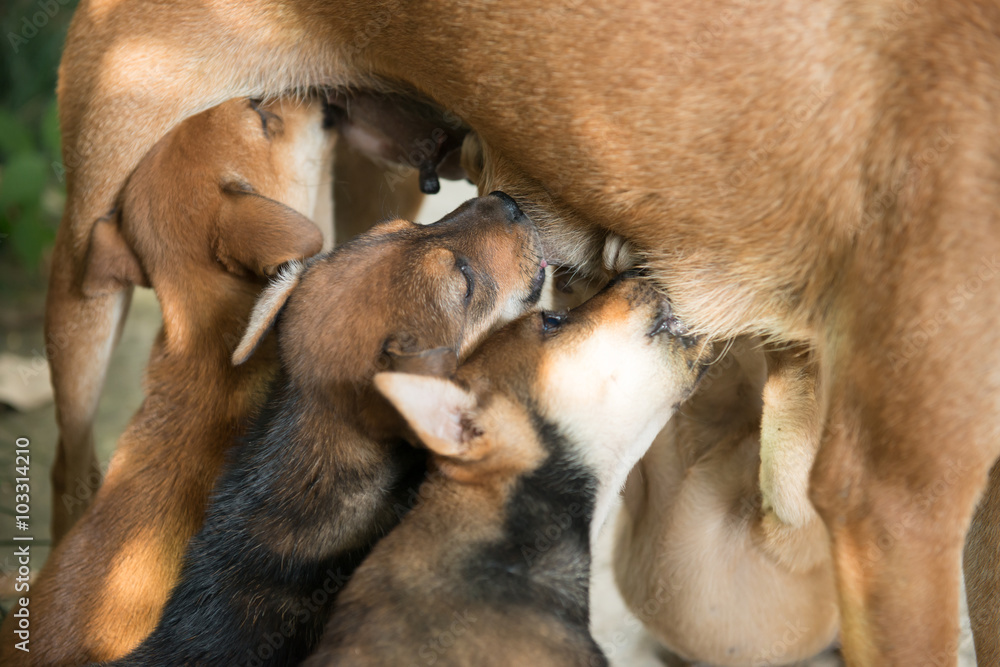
[[513, 211]]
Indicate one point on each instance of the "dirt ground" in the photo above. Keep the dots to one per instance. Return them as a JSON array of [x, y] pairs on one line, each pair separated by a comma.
[[21, 334]]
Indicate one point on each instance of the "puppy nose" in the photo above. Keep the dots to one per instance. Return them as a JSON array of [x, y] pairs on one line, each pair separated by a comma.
[[514, 212]]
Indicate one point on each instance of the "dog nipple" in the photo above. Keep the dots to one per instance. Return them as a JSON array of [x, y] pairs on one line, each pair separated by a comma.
[[429, 183]]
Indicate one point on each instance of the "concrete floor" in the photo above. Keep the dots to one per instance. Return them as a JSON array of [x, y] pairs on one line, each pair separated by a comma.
[[617, 631]]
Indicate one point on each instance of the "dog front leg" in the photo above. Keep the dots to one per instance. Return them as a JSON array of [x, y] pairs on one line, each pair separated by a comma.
[[365, 193], [897, 501]]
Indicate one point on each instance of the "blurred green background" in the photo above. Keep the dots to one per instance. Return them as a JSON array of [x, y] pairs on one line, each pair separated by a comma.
[[31, 183]]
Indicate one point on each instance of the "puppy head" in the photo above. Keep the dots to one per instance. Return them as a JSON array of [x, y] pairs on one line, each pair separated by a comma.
[[221, 194], [603, 379], [399, 290]]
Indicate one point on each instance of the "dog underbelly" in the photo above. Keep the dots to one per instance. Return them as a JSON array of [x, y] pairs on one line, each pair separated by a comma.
[[738, 194]]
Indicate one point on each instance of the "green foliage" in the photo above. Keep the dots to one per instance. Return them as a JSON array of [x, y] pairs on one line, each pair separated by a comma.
[[32, 33]]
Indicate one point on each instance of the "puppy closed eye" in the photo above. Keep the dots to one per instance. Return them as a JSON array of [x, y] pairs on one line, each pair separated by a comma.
[[270, 123], [470, 279]]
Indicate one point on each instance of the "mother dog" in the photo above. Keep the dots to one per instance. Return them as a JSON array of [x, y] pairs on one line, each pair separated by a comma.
[[825, 173]]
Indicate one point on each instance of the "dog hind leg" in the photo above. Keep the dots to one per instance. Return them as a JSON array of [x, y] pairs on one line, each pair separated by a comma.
[[80, 335]]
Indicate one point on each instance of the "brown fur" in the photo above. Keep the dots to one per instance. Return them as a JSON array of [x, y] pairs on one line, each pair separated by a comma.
[[326, 443], [205, 217], [823, 173], [363, 194], [464, 580]]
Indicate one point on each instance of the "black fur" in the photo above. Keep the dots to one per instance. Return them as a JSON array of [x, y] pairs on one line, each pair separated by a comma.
[[543, 560], [238, 602]]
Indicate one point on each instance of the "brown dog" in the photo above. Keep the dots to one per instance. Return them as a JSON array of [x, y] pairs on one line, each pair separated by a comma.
[[207, 215], [530, 442], [823, 173]]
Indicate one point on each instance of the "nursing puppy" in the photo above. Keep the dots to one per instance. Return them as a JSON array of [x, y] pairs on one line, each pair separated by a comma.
[[209, 213], [323, 474], [716, 572], [530, 441]]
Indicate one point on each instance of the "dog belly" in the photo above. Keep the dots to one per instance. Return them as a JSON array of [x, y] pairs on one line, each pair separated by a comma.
[[680, 153]]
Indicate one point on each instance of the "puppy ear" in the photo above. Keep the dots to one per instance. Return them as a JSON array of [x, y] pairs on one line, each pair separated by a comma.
[[265, 311], [257, 235], [439, 361], [110, 264], [438, 410]]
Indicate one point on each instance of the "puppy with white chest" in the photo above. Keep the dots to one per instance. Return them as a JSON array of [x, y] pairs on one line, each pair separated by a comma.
[[530, 442]]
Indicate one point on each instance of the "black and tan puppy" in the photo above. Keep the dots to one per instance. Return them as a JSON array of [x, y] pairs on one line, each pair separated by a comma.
[[529, 444], [323, 473]]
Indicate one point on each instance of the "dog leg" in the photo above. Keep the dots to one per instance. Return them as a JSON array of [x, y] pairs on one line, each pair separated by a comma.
[[897, 495], [81, 334], [366, 193], [123, 84], [982, 574]]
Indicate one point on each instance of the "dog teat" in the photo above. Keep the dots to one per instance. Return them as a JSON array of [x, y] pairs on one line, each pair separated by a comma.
[[403, 130]]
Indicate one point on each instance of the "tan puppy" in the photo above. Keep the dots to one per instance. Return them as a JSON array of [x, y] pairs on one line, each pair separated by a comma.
[[206, 216], [715, 574], [530, 442], [194, 187], [296, 164], [822, 173]]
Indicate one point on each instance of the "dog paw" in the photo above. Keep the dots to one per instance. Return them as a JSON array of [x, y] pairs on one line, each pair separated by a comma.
[[799, 547], [784, 488]]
